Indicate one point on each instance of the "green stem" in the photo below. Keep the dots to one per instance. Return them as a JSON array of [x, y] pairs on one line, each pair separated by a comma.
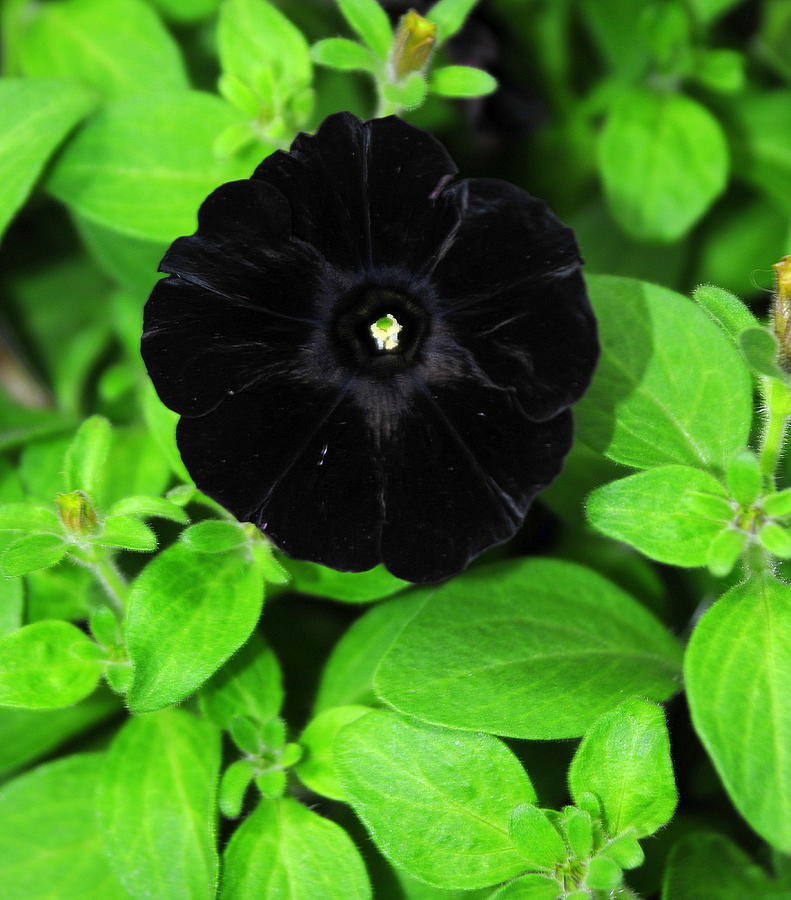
[[111, 580], [778, 410]]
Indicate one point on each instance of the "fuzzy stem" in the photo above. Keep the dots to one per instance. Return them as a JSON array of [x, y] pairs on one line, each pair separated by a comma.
[[778, 410]]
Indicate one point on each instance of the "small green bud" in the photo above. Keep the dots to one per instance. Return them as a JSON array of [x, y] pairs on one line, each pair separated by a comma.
[[578, 828], [744, 477], [724, 550], [414, 41], [776, 540], [77, 513]]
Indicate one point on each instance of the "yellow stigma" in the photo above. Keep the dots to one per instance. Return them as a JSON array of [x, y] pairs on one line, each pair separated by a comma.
[[385, 331]]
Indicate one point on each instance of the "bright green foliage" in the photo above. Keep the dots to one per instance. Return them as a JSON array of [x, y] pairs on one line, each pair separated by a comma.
[[149, 507], [249, 684], [186, 11], [185, 620], [536, 837], [86, 456], [351, 587], [213, 536], [143, 165], [233, 787], [461, 81], [650, 511], [50, 839], [469, 672], [449, 16], [283, 851], [32, 552], [343, 54], [127, 533], [737, 669], [370, 22], [744, 478], [708, 866], [529, 887], [624, 759], [317, 767], [35, 116], [663, 160], [116, 50], [759, 347], [763, 128], [436, 802], [46, 665], [670, 387], [409, 93], [725, 308], [156, 805]]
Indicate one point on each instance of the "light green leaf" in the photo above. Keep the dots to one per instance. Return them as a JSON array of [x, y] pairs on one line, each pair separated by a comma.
[[284, 851], [530, 887], [409, 93], [50, 841], [27, 734], [186, 11], [449, 16], [127, 533], [461, 81], [86, 457], [370, 21], [213, 536], [670, 386], [28, 517], [436, 802], [343, 54], [650, 511], [317, 767], [40, 667], [624, 759], [32, 552], [35, 116], [143, 165], [708, 866], [737, 669], [603, 874], [117, 49], [351, 587], [156, 805], [348, 675], [759, 347], [511, 664], [663, 160], [725, 308], [12, 602], [721, 70], [536, 837], [131, 262], [233, 786], [253, 34], [161, 423], [743, 477], [135, 466], [149, 508], [249, 684], [187, 614]]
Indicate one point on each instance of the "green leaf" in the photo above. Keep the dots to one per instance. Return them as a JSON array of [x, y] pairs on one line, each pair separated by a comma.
[[127, 533], [370, 21], [156, 805], [707, 866], [86, 457], [12, 603], [625, 851], [249, 684], [409, 93], [284, 851], [724, 551], [186, 11], [28, 517], [449, 16], [187, 615], [161, 423], [536, 838], [49, 842], [725, 308], [28, 734], [40, 667], [344, 55], [233, 786], [721, 70], [348, 674], [149, 508], [32, 552], [116, 50], [530, 887], [663, 160], [650, 511], [131, 262], [624, 759], [603, 874], [135, 466], [778, 504], [254, 34], [436, 802], [670, 386], [317, 768], [707, 11], [737, 667], [461, 81], [759, 347], [35, 116], [213, 536], [744, 477], [761, 129], [524, 681], [351, 587], [127, 168]]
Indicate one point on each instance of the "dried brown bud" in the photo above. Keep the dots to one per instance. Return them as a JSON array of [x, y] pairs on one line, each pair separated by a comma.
[[781, 311], [76, 512], [414, 41]]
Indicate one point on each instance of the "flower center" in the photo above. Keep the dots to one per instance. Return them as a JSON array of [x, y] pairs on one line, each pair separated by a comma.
[[379, 330]]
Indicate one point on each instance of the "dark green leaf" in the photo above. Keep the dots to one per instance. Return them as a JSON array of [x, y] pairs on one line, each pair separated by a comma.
[[283, 851], [156, 806], [737, 668], [663, 160], [436, 802], [624, 759], [524, 681], [187, 614], [670, 386], [40, 667]]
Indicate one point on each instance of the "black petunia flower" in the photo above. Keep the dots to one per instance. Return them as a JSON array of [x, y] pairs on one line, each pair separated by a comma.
[[372, 363]]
